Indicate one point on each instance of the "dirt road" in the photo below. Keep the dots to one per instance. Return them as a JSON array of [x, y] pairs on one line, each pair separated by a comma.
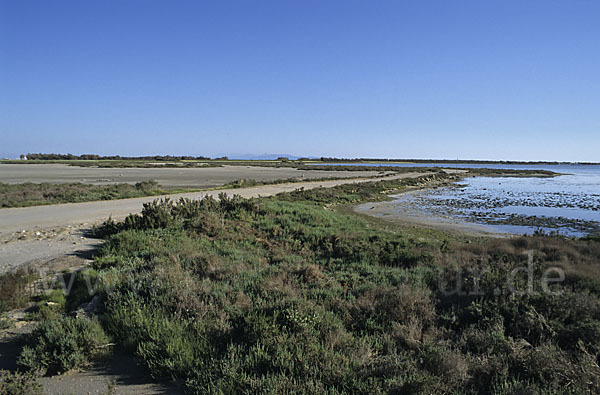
[[42, 234], [41, 217]]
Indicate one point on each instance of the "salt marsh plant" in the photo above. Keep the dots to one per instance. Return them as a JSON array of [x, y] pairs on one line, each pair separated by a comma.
[[288, 294]]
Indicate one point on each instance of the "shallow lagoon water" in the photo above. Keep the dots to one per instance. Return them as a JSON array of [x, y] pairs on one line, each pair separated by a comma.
[[568, 204]]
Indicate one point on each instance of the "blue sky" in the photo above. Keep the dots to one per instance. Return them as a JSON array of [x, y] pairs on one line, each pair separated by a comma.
[[422, 79]]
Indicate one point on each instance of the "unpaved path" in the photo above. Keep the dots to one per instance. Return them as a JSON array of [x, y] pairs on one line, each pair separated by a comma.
[[43, 233], [42, 217]]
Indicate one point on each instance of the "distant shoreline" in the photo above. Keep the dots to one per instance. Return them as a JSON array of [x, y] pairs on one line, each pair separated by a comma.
[[90, 158], [453, 161]]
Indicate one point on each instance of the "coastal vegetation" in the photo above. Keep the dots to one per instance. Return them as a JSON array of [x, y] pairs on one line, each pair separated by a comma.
[[61, 343], [293, 294], [249, 182], [116, 163], [329, 164], [31, 194], [17, 383], [15, 289]]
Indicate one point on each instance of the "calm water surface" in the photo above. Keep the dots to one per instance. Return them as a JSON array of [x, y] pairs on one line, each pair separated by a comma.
[[569, 204]]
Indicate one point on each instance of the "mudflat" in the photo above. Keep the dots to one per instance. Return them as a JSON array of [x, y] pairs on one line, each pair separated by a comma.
[[197, 177]]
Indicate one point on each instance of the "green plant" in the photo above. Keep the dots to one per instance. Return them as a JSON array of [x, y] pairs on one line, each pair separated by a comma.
[[30, 194], [17, 383], [49, 304], [5, 323], [15, 289], [288, 294], [62, 344]]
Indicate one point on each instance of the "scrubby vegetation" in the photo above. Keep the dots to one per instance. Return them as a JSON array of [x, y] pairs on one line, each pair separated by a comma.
[[49, 304], [63, 343], [30, 194], [17, 383], [248, 182], [115, 161], [509, 173], [15, 290], [287, 294]]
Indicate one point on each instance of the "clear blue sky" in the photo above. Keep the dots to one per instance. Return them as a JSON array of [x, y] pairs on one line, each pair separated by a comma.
[[425, 79]]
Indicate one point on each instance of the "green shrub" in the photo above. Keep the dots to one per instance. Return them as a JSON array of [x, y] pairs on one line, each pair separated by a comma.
[[282, 295], [14, 289], [49, 305], [87, 283], [63, 344], [150, 185], [31, 194], [17, 383]]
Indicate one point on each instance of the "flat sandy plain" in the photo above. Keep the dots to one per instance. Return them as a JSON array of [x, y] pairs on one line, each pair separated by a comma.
[[196, 177]]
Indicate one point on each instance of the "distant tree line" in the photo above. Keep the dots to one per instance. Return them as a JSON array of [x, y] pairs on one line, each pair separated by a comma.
[[41, 156]]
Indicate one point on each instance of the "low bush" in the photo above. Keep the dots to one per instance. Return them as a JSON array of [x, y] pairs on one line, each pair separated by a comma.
[[283, 295], [49, 304], [17, 383], [30, 194], [87, 283], [15, 290], [62, 344]]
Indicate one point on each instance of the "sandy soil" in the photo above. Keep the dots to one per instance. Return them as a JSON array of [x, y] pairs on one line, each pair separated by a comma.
[[47, 248], [169, 177]]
